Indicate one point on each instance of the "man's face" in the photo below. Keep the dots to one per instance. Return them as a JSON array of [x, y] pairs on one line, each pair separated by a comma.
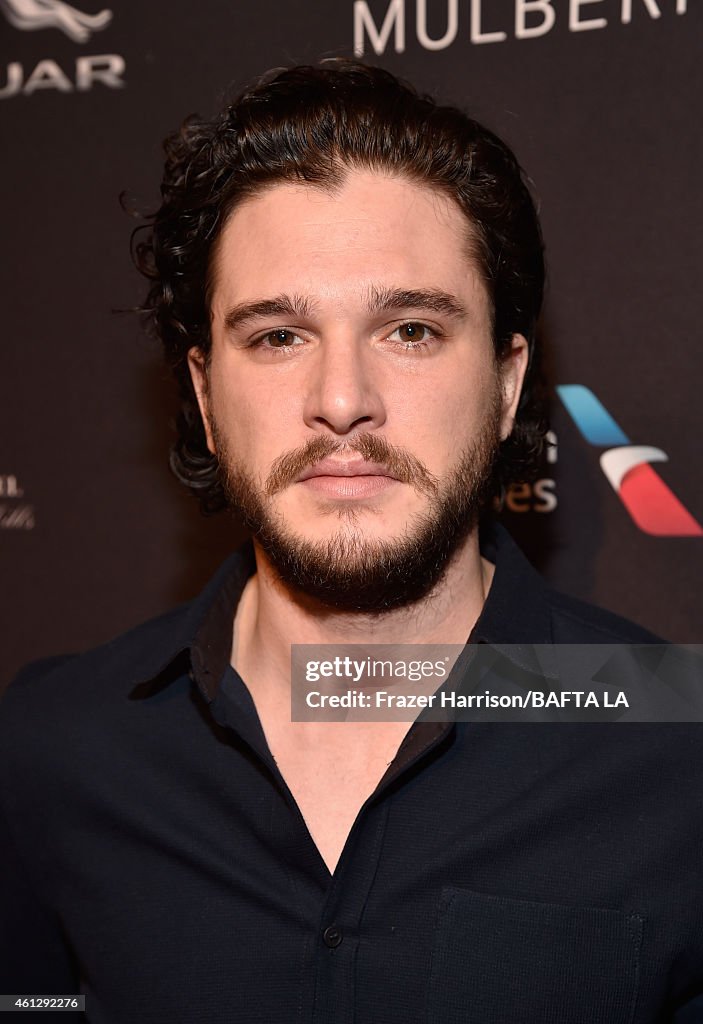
[[352, 394]]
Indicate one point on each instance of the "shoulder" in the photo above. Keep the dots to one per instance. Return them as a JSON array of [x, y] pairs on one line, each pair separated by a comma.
[[574, 621], [70, 724], [523, 608], [52, 689], [140, 653], [578, 622], [76, 697]]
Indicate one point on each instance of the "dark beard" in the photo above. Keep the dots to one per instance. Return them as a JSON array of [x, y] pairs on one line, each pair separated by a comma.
[[347, 572]]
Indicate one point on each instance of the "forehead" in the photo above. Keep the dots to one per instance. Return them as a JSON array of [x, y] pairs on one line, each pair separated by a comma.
[[372, 229]]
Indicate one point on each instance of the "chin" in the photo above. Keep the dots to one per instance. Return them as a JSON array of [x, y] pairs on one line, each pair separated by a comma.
[[365, 554], [350, 570]]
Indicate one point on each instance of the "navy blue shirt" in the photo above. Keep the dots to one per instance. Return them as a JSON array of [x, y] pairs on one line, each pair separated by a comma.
[[154, 859]]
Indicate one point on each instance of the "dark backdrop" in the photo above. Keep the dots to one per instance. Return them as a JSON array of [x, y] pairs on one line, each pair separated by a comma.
[[603, 109]]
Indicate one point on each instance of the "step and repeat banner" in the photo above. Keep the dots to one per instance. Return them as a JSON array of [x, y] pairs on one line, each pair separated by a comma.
[[600, 100]]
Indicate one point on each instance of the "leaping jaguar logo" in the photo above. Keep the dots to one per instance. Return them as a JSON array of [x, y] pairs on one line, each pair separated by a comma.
[[33, 14]]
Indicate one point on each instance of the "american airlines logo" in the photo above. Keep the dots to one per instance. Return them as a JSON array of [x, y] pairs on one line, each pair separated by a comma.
[[652, 506], [105, 69]]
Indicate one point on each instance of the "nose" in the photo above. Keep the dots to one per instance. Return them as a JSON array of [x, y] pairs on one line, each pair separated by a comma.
[[344, 394]]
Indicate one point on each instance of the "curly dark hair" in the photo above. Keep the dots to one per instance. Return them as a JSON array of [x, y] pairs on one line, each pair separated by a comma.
[[305, 124]]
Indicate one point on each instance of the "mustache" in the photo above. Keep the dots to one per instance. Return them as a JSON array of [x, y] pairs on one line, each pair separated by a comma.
[[400, 463]]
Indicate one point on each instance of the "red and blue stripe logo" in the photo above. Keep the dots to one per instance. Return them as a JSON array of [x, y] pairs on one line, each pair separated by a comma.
[[653, 507]]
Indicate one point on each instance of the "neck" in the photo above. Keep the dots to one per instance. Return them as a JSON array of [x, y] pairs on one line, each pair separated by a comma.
[[270, 617]]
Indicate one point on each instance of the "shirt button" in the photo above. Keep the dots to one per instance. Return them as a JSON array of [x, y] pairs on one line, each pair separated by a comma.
[[332, 936]]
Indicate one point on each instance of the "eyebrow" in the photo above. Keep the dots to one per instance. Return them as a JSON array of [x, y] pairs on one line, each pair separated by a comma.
[[431, 299], [288, 306], [379, 300]]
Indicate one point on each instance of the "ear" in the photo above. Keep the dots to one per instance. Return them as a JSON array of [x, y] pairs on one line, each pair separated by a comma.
[[513, 367], [199, 377]]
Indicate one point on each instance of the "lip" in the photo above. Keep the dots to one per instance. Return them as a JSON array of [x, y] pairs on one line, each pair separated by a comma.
[[349, 488], [332, 468]]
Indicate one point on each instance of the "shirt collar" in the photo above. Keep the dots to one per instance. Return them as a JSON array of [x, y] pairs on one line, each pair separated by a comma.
[[198, 634], [515, 616]]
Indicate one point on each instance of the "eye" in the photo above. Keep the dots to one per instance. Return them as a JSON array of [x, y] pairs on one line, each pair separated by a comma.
[[413, 334], [280, 338]]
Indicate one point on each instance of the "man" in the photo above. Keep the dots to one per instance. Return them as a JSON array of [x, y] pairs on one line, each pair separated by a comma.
[[346, 278]]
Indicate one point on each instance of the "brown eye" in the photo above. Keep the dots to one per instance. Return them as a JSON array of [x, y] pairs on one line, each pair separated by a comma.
[[413, 332], [278, 339], [281, 338]]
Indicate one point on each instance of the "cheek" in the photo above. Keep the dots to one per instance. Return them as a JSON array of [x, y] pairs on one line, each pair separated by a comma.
[[255, 418], [444, 415]]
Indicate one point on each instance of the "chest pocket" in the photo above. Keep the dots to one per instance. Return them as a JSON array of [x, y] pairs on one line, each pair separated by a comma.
[[497, 960]]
